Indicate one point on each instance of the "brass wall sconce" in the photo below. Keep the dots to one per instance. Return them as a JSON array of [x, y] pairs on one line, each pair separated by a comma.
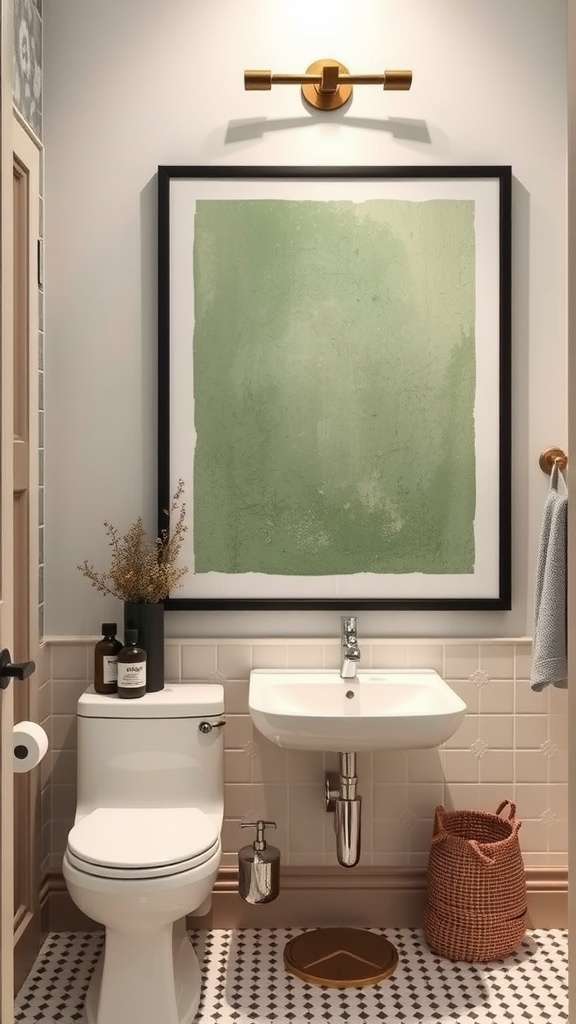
[[327, 84]]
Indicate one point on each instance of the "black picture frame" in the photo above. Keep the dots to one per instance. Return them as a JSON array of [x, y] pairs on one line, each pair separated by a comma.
[[489, 188]]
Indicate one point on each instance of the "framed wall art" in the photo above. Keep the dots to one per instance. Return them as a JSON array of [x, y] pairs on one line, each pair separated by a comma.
[[334, 384]]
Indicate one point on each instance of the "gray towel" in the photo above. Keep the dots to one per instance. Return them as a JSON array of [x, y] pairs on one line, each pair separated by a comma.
[[549, 654]]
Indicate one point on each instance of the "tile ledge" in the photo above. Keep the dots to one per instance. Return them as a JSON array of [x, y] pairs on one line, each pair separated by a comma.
[[428, 641]]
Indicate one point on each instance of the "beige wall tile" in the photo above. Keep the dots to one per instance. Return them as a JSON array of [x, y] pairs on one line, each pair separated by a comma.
[[333, 654], [60, 831], [390, 765], [418, 860], [390, 837], [304, 766], [236, 696], [530, 731], [558, 701], [389, 655], [468, 692], [491, 795], [497, 697], [390, 860], [307, 860], [65, 695], [531, 799], [237, 766], [558, 766], [497, 731], [270, 656], [305, 656], [198, 661], [462, 796], [497, 766], [461, 766], [420, 835], [64, 732], [426, 656], [424, 798], [465, 735], [558, 730], [531, 766], [250, 802], [558, 799], [558, 836], [269, 762], [46, 845], [46, 767], [529, 702], [533, 836], [73, 662], [390, 800], [233, 836], [234, 660], [523, 661], [461, 661], [44, 701], [426, 766], [306, 813], [63, 766], [497, 660], [63, 802], [238, 731], [172, 672]]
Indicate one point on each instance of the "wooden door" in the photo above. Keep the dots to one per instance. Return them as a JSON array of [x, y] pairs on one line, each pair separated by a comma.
[[25, 206]]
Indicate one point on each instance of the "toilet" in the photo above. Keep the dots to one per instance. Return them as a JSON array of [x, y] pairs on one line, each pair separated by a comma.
[[145, 847]]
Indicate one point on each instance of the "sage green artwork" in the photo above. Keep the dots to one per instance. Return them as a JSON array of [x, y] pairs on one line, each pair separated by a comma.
[[334, 384]]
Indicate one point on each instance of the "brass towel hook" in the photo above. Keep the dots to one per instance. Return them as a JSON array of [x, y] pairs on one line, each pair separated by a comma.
[[551, 457], [327, 84]]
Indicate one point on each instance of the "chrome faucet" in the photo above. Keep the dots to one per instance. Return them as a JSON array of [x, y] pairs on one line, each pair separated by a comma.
[[351, 655]]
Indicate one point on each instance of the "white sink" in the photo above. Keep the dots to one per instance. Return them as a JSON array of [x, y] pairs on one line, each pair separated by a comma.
[[377, 710]]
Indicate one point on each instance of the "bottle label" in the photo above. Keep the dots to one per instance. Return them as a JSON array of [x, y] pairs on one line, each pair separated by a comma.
[[132, 675], [110, 668]]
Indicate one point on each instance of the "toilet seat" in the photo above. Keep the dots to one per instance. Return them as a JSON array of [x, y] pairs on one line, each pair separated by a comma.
[[138, 842]]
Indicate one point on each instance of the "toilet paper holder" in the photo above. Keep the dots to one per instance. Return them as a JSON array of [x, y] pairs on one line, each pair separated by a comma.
[[10, 670]]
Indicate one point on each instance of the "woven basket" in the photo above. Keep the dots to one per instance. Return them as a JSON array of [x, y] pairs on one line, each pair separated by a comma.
[[475, 906]]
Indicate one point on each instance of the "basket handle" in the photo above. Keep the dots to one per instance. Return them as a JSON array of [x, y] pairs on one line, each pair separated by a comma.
[[439, 834], [485, 857], [507, 803]]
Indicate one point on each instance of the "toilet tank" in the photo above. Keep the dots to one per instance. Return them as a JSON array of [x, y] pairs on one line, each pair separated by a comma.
[[150, 751]]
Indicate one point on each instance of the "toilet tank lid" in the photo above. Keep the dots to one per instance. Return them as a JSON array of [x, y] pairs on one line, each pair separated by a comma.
[[177, 700]]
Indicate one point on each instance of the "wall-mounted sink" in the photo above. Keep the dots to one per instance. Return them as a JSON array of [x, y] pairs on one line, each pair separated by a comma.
[[376, 710]]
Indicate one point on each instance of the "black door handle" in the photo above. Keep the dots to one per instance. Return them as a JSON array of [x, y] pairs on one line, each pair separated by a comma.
[[8, 670]]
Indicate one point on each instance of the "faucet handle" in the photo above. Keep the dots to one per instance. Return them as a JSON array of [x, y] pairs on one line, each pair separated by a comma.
[[348, 625]]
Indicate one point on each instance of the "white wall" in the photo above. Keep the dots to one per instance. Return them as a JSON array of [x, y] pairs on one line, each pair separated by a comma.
[[139, 83]]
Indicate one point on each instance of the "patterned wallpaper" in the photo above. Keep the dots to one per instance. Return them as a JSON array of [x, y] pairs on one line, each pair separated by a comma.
[[28, 62]]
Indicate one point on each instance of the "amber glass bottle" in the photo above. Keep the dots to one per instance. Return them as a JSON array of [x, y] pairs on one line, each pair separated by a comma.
[[106, 660], [131, 667]]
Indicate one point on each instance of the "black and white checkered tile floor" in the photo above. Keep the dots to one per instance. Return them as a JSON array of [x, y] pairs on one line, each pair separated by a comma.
[[244, 981]]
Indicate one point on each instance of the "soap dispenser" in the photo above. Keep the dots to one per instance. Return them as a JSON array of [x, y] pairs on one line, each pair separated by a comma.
[[259, 866]]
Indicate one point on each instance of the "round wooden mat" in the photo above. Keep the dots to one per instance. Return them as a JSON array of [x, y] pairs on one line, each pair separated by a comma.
[[340, 957]]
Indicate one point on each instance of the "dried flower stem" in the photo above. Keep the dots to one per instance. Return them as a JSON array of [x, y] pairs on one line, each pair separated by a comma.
[[142, 570]]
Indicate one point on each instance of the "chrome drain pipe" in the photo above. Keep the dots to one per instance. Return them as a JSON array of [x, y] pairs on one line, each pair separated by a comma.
[[347, 807]]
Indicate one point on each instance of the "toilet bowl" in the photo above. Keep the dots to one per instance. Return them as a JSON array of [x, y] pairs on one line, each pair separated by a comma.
[[139, 865]]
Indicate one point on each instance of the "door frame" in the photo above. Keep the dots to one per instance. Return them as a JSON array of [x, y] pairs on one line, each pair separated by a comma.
[[6, 500], [571, 86]]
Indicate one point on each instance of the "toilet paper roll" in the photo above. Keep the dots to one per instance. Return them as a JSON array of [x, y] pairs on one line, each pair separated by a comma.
[[30, 745]]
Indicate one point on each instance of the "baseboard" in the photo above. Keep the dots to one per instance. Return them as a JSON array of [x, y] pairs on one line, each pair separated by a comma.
[[322, 897]]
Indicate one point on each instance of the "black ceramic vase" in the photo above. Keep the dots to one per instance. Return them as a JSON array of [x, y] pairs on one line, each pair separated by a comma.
[[148, 619]]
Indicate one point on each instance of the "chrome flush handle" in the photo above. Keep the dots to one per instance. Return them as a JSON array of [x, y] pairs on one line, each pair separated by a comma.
[[206, 727]]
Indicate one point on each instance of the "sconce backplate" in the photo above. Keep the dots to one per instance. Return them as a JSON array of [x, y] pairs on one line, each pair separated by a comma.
[[326, 100]]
